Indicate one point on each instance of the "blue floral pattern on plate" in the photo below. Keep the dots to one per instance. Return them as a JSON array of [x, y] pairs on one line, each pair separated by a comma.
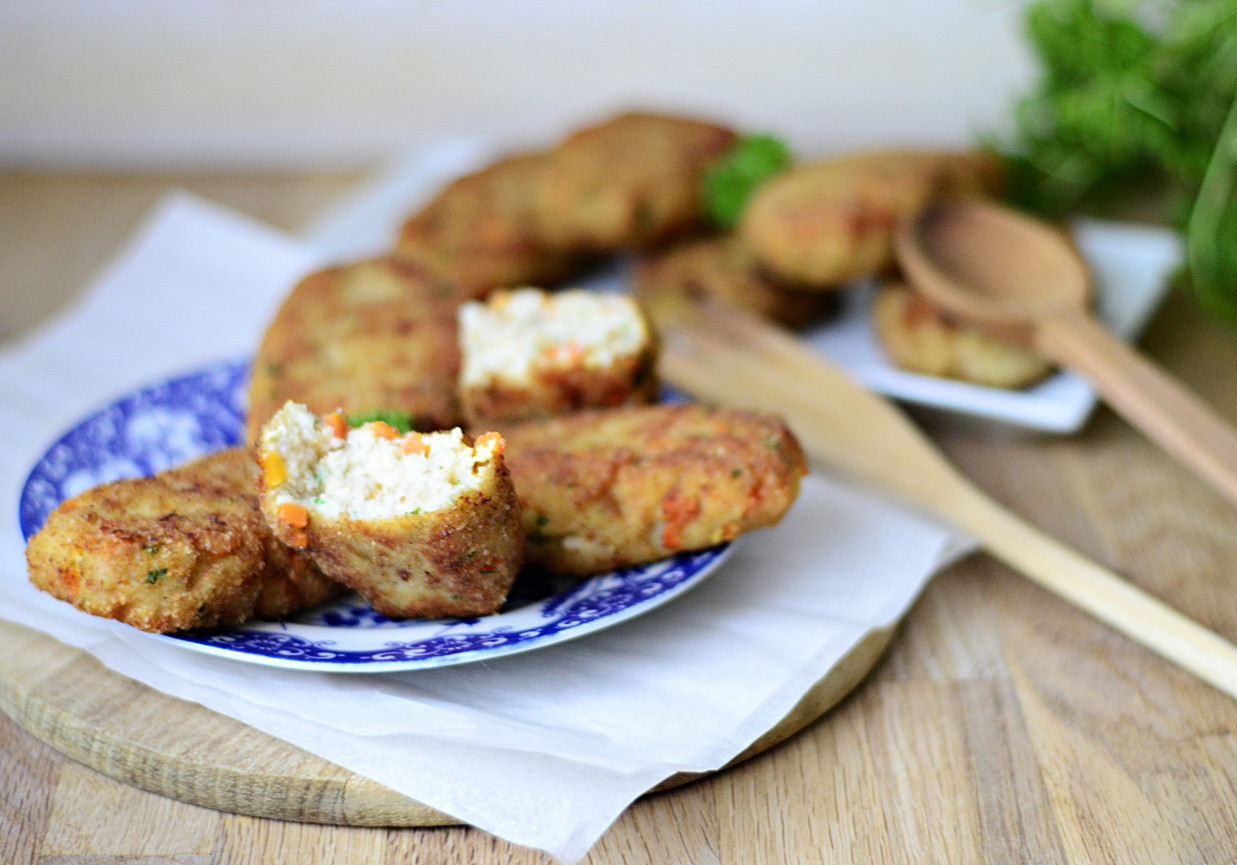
[[173, 421]]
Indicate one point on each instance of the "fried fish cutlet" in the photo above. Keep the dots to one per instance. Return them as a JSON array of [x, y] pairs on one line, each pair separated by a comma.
[[376, 334], [821, 223], [721, 268], [482, 231], [529, 354], [419, 525], [611, 488], [918, 338], [630, 181], [186, 548]]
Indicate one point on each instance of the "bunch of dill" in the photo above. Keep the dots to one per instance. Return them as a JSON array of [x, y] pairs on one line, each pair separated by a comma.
[[1135, 96]]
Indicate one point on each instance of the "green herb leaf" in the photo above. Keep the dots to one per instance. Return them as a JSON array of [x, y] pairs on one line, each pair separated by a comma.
[[400, 420], [730, 182], [152, 577], [1137, 99]]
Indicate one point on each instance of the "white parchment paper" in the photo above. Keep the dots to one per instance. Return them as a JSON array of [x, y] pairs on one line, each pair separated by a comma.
[[544, 749]]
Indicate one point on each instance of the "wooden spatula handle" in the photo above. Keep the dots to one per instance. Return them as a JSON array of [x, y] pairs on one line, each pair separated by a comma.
[[735, 359], [1145, 395]]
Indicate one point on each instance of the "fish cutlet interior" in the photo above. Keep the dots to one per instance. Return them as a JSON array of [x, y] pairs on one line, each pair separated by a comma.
[[418, 524], [528, 353]]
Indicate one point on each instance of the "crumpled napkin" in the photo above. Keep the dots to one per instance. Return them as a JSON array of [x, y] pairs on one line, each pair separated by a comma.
[[545, 748]]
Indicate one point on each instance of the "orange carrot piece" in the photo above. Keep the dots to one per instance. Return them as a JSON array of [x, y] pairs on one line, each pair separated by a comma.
[[339, 426], [382, 429], [500, 444], [293, 514], [569, 352], [415, 444], [678, 511], [274, 472]]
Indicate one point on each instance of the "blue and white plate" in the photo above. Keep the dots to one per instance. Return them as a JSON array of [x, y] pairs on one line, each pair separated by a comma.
[[168, 423]]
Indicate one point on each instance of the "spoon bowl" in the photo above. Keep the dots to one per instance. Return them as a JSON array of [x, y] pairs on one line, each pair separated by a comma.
[[993, 267], [1022, 280]]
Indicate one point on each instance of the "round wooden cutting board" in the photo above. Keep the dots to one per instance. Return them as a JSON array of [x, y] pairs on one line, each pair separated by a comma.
[[124, 729]]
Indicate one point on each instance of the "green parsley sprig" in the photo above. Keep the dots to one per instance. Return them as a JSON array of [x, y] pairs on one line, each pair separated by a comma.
[[730, 182], [399, 420], [1137, 96]]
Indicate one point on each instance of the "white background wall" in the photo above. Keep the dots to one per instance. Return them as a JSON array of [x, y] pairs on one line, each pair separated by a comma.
[[266, 83]]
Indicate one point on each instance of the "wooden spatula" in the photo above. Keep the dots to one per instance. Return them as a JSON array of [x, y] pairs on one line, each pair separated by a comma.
[[729, 357]]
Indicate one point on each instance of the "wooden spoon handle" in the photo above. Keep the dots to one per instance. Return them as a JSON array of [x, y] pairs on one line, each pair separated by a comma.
[[1147, 396], [1091, 588]]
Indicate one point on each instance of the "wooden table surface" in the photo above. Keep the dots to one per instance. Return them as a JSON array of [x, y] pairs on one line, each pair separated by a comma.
[[1001, 726]]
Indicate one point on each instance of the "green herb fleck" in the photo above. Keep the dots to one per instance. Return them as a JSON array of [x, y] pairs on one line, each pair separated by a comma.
[[152, 577], [318, 500], [400, 420], [734, 473], [730, 182], [150, 548]]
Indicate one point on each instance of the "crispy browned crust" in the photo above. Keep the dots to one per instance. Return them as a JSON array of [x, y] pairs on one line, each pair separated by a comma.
[[825, 222], [460, 561], [482, 231], [721, 268], [374, 334], [630, 181], [628, 381], [186, 548], [918, 338], [606, 489]]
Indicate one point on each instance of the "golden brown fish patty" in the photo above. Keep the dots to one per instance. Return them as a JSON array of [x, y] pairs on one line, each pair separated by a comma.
[[631, 181], [186, 548], [918, 338], [610, 488], [821, 223], [482, 231], [722, 268], [377, 334]]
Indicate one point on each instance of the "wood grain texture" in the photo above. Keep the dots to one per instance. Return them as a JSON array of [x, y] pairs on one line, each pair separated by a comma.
[[178, 749], [1001, 725]]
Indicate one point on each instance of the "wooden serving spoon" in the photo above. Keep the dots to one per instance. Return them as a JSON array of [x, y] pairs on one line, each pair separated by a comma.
[[730, 357], [1022, 279]]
